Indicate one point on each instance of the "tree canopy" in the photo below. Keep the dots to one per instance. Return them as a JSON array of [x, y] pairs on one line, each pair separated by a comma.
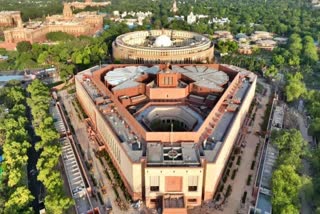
[[286, 182], [295, 86]]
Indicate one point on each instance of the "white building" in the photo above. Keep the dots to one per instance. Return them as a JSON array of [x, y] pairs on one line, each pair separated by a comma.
[[221, 21], [179, 18], [191, 18]]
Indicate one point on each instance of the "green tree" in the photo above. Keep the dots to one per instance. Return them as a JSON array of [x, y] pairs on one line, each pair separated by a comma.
[[285, 188], [24, 46], [310, 53], [272, 71], [295, 86], [19, 201], [278, 60]]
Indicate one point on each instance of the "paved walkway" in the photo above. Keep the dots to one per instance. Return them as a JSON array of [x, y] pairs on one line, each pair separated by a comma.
[[88, 146], [303, 126], [239, 184]]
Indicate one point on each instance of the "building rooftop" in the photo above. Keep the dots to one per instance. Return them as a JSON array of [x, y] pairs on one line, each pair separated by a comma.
[[184, 154], [204, 76], [191, 112]]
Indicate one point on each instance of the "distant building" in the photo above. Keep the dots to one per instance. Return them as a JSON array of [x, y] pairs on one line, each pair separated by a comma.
[[223, 34], [168, 129], [4, 58], [281, 40], [116, 13], [260, 35], [191, 18], [179, 18], [161, 46], [221, 21], [84, 23], [267, 44], [136, 18], [174, 8], [10, 18], [88, 3], [245, 49]]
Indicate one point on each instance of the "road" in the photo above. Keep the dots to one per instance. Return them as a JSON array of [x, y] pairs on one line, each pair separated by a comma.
[[33, 184], [303, 126]]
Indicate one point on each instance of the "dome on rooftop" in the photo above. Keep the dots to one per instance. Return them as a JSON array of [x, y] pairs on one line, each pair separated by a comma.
[[163, 41]]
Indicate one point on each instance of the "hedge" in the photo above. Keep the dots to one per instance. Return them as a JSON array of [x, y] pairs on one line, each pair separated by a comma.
[[249, 180], [253, 164], [229, 190], [239, 160], [234, 172], [243, 200]]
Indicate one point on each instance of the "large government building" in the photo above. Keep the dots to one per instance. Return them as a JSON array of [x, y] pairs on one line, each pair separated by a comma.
[[88, 3], [161, 46], [9, 18], [169, 129], [83, 23]]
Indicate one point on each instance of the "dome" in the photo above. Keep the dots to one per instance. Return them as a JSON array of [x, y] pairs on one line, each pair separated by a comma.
[[163, 41]]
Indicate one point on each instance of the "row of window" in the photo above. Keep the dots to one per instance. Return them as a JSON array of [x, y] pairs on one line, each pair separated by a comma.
[[155, 183], [190, 200]]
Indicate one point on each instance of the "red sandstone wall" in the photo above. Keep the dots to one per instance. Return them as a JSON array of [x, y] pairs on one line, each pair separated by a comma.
[[212, 180], [133, 91], [167, 93]]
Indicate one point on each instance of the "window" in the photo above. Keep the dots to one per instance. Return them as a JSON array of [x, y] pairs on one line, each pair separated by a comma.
[[154, 183], [193, 188], [154, 188], [193, 183], [192, 200], [153, 200]]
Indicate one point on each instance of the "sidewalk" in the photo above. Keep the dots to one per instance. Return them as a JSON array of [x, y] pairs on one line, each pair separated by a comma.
[[88, 147], [239, 184]]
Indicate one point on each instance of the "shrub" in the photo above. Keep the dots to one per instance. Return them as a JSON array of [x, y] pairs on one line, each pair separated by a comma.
[[237, 150], [115, 191], [228, 172], [243, 200], [224, 179], [234, 172], [218, 197], [94, 181], [221, 187], [101, 161], [253, 164], [232, 157], [59, 36], [239, 160], [87, 165], [249, 180], [100, 198], [257, 150], [230, 164], [107, 174], [229, 190]]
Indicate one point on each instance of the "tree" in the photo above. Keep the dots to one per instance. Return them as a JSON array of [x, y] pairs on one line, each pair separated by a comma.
[[295, 44], [314, 128], [310, 53], [24, 46], [59, 36], [19, 201], [271, 72], [294, 87], [285, 188], [278, 60]]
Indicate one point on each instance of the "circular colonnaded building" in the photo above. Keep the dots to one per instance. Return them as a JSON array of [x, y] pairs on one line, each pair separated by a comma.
[[161, 46]]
